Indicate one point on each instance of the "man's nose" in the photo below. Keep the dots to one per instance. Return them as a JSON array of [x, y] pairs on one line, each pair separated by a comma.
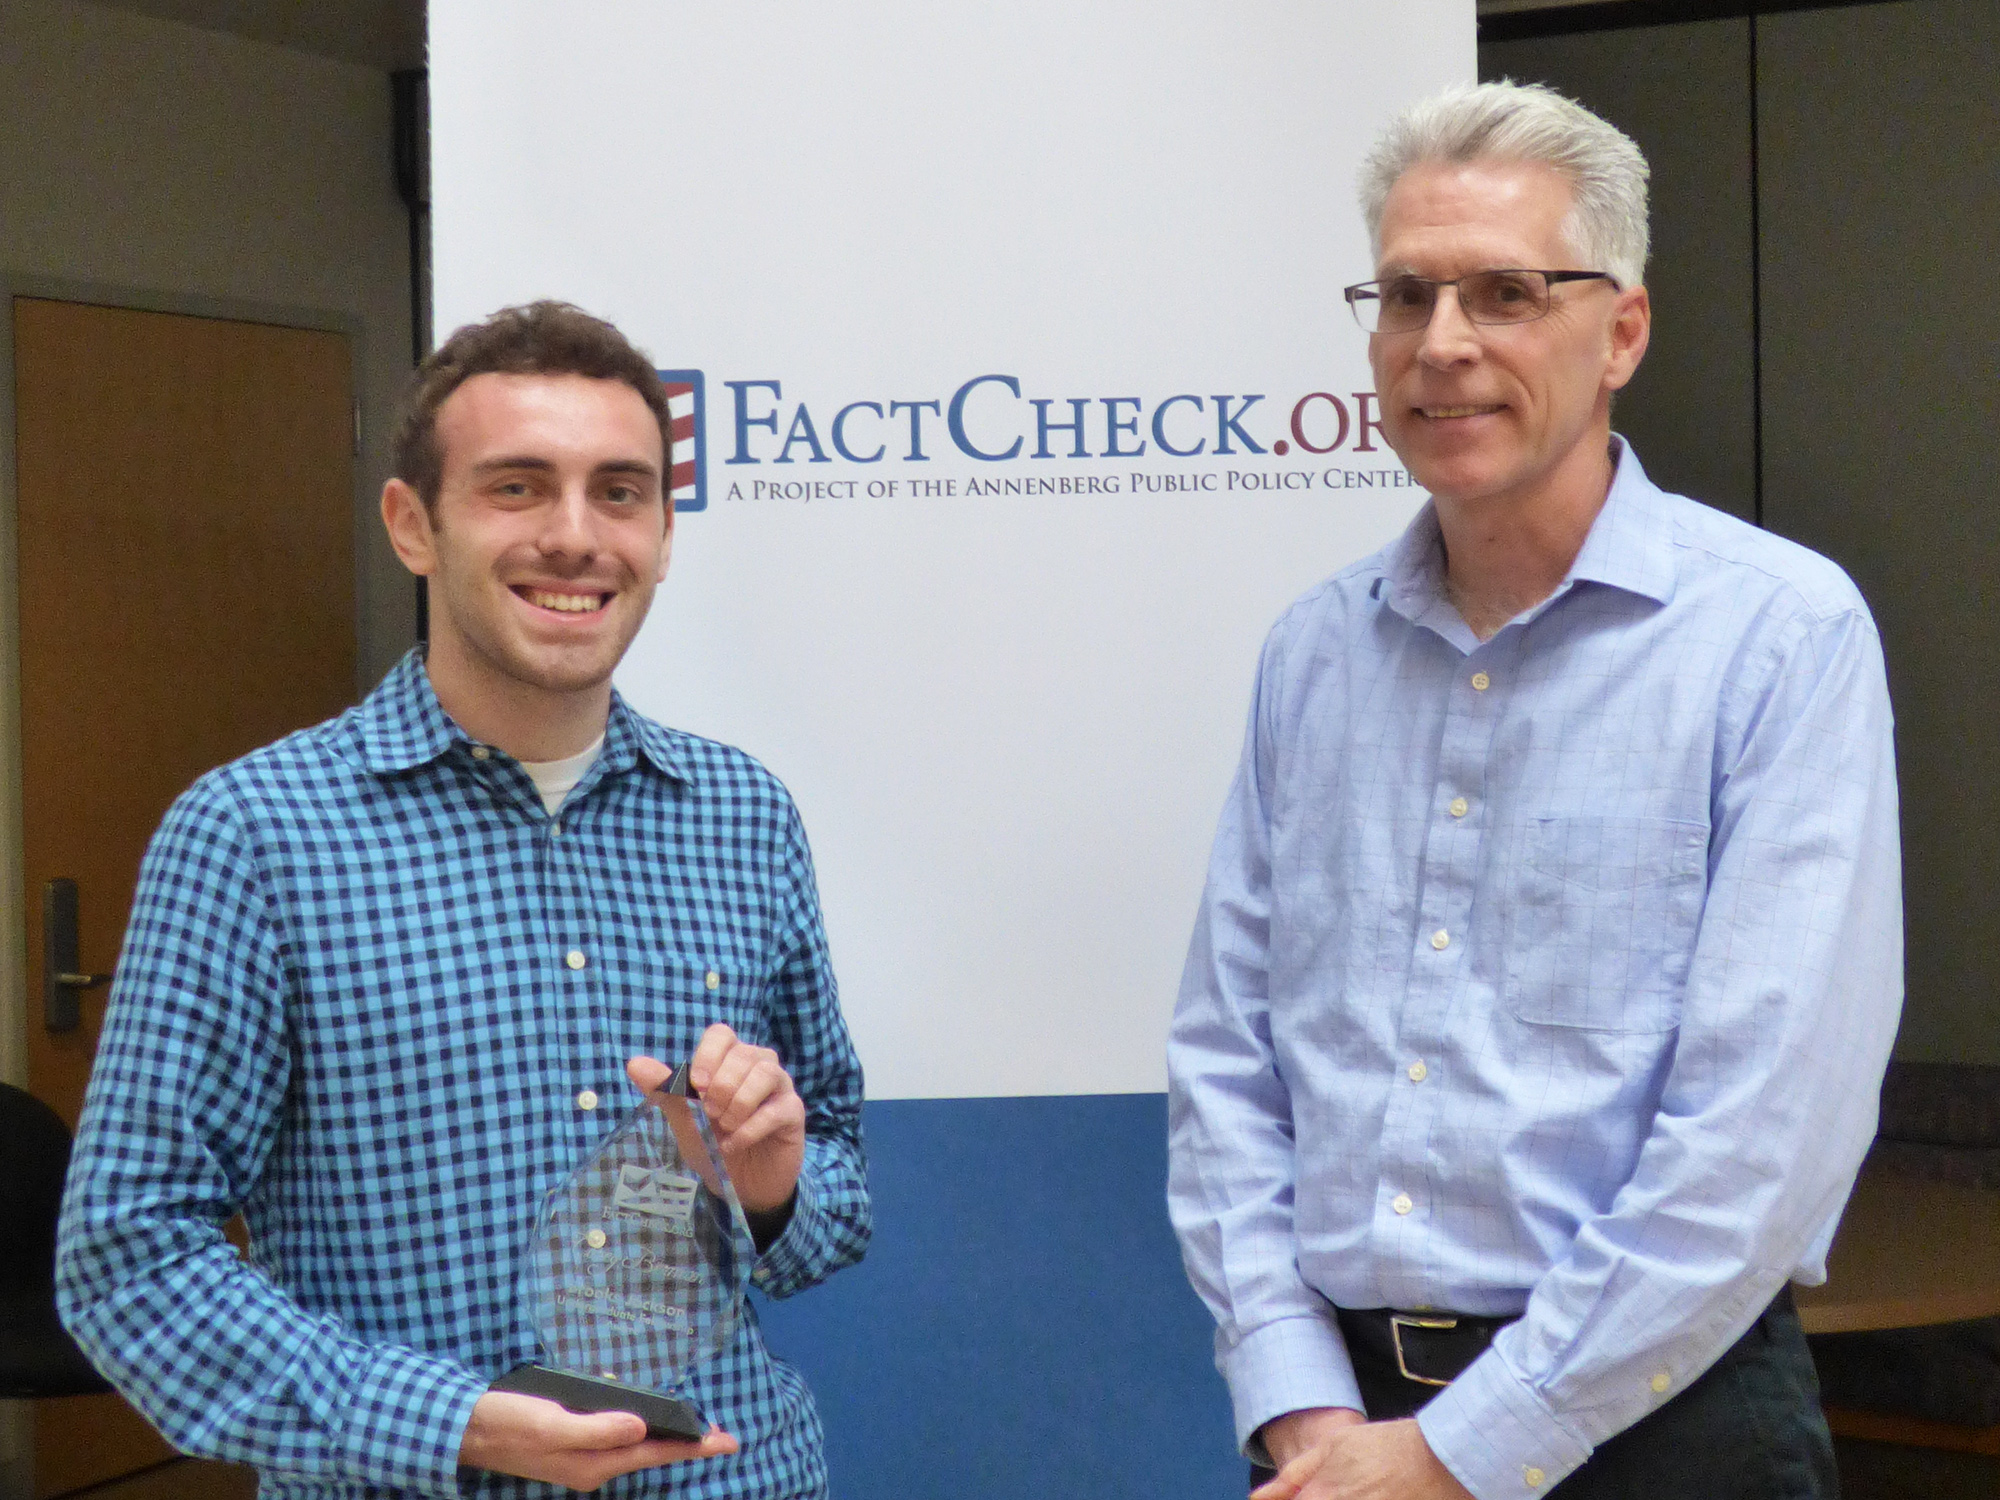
[[1449, 336], [566, 525]]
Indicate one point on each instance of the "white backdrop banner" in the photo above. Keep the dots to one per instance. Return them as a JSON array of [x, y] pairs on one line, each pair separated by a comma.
[[1019, 400]]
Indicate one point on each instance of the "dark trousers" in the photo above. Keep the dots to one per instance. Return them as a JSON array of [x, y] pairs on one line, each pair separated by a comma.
[[1749, 1429]]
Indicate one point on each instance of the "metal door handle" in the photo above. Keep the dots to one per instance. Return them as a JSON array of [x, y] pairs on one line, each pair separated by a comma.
[[63, 982]]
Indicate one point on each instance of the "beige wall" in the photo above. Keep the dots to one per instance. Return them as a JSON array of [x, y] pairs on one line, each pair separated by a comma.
[[145, 154], [150, 157]]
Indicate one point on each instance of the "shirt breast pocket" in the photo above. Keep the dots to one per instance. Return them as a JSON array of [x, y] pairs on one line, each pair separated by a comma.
[[680, 998], [1604, 921]]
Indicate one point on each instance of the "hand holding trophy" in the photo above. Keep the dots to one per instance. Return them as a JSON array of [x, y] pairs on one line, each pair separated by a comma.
[[637, 1269]]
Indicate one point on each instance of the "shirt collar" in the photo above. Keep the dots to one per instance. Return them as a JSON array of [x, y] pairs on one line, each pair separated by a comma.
[[1413, 566], [1629, 546], [631, 736], [402, 725], [1631, 543]]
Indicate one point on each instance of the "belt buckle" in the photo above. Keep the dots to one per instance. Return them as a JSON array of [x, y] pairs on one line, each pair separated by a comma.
[[1397, 1323]]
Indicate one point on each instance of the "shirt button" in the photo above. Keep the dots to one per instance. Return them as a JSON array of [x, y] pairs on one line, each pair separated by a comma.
[[1660, 1382], [574, 958], [1480, 683], [555, 830], [1534, 1476], [587, 1099], [480, 752], [714, 980], [1460, 807], [1418, 1072], [1402, 1203], [1440, 940], [595, 1239]]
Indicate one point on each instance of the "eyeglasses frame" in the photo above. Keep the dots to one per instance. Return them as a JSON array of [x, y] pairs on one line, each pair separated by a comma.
[[1361, 292]]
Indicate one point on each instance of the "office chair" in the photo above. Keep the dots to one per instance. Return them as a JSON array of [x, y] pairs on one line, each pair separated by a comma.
[[37, 1356]]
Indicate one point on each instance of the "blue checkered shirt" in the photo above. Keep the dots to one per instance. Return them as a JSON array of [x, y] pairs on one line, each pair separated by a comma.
[[367, 983], [1549, 975]]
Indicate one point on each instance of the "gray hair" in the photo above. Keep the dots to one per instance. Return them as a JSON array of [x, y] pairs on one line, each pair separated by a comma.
[[1526, 122]]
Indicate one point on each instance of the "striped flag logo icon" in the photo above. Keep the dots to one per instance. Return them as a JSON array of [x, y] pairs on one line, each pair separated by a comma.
[[687, 465]]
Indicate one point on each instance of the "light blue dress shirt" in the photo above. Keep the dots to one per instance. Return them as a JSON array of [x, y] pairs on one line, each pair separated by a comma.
[[1551, 975]]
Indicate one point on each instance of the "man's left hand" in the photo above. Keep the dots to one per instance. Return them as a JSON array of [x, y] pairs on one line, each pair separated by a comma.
[[759, 1119], [1367, 1461]]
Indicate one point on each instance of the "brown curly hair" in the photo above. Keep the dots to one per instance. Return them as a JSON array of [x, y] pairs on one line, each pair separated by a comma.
[[538, 338]]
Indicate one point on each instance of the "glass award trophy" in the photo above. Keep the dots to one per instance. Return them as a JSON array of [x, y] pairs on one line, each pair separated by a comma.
[[638, 1269]]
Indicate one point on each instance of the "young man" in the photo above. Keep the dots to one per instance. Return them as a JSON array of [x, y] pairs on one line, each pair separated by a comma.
[[1551, 952], [385, 980]]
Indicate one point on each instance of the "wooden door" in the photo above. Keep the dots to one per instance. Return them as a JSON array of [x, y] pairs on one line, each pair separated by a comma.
[[185, 516]]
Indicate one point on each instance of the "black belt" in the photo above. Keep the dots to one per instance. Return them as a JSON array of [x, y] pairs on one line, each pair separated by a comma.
[[1431, 1348]]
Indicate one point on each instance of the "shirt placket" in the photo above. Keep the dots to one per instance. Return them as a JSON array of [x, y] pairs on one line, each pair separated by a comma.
[[1457, 822], [592, 1095]]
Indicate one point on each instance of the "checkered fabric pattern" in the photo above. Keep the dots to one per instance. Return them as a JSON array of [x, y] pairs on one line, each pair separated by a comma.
[[1552, 974], [368, 987]]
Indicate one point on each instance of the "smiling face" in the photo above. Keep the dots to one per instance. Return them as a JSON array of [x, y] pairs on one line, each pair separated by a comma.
[[1516, 414], [549, 534]]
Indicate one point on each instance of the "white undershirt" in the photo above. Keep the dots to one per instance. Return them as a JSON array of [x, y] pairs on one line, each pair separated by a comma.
[[555, 778]]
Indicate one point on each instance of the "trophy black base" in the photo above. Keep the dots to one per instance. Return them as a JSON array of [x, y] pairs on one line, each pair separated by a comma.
[[665, 1416]]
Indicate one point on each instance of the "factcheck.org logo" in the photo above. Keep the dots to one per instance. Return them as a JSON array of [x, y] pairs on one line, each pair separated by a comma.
[[687, 468], [1317, 441]]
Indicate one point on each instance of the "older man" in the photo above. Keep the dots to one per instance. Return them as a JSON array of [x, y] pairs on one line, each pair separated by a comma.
[[1551, 950], [385, 980]]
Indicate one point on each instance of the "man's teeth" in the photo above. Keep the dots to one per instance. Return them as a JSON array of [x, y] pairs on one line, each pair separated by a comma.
[[570, 603], [1458, 411]]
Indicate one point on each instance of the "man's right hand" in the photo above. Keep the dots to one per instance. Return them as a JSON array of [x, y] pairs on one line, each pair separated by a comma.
[[1286, 1437], [1351, 1459], [536, 1439]]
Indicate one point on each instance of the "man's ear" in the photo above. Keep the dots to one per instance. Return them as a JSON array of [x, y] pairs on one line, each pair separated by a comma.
[[408, 523], [667, 543], [1631, 329]]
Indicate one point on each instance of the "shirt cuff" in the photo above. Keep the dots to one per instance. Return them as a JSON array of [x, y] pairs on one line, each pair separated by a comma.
[[406, 1419], [1289, 1365], [1496, 1436], [793, 1260]]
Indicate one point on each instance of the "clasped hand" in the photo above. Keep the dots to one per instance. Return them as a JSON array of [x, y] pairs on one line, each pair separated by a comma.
[[1332, 1453]]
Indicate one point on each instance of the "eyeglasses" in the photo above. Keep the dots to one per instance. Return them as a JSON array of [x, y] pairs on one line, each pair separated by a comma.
[[1404, 304]]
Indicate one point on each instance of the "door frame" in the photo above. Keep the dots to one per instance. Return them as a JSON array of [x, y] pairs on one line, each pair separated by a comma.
[[17, 1012]]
